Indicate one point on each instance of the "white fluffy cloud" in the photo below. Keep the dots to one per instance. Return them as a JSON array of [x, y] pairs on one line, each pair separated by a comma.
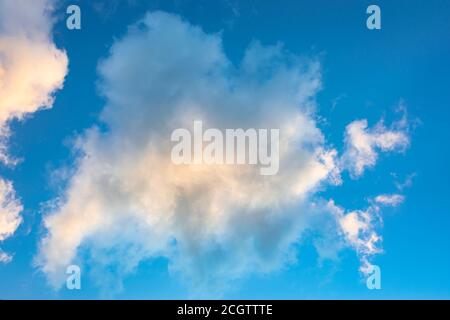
[[127, 195], [126, 201], [31, 69], [363, 144]]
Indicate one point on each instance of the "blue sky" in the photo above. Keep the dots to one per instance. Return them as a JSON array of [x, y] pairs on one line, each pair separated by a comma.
[[365, 74]]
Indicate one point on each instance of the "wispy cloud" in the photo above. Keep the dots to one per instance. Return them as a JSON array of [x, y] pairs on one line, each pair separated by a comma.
[[10, 219], [359, 228], [392, 200], [363, 144]]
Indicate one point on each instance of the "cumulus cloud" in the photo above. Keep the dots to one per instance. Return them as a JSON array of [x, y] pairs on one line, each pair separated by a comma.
[[206, 219], [363, 144], [32, 68], [127, 202]]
